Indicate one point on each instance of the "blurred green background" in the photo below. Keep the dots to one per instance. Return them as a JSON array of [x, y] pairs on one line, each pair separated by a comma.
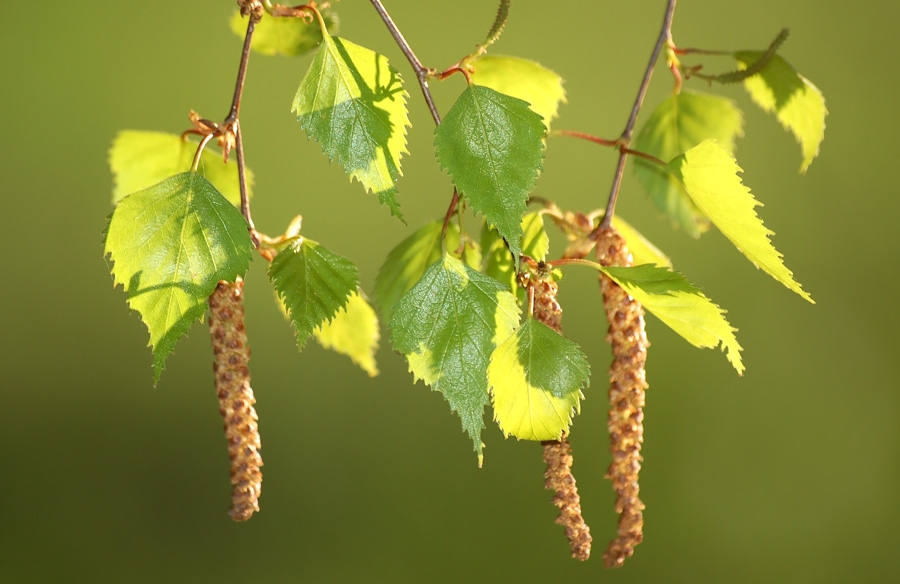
[[789, 474]]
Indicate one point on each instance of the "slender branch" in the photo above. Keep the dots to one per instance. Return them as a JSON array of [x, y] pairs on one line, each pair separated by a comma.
[[242, 69], [665, 35], [421, 71], [233, 125]]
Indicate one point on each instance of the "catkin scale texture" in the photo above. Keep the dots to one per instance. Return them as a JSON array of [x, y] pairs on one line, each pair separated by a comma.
[[627, 386], [557, 453], [232, 377]]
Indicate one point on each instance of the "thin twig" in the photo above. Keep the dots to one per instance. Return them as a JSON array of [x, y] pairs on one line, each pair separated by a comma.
[[665, 35], [421, 71], [232, 122]]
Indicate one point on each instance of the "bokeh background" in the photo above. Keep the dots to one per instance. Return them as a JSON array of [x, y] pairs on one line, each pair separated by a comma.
[[789, 474]]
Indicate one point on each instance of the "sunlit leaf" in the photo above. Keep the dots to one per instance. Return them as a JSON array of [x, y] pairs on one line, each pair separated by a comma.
[[524, 79], [353, 332], [679, 123], [710, 176], [448, 325], [642, 249], [171, 244], [681, 306], [353, 103], [284, 36], [499, 262], [140, 159], [536, 378], [491, 144], [407, 262], [795, 101], [313, 283]]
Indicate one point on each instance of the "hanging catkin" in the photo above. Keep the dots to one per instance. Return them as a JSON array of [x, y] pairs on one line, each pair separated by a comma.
[[627, 379], [229, 340], [557, 453]]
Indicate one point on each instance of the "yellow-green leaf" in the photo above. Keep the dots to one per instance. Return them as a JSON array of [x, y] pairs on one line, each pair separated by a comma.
[[353, 102], [679, 123], [524, 79], [536, 378], [448, 325], [642, 249], [353, 332], [140, 159], [681, 306], [795, 101], [284, 36], [710, 176]]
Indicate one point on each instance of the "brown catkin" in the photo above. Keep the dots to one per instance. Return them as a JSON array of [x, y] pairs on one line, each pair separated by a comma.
[[627, 388], [229, 340], [557, 453]]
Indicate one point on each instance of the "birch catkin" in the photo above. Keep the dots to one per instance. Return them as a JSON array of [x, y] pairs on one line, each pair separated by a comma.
[[229, 340], [557, 453], [627, 379]]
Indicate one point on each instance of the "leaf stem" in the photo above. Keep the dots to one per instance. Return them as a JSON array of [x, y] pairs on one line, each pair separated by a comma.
[[665, 35], [585, 136], [420, 70], [575, 262]]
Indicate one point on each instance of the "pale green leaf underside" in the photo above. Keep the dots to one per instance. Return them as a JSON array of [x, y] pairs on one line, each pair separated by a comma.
[[491, 145], [313, 283], [499, 262], [171, 244], [283, 36], [681, 306], [140, 159], [353, 103], [448, 325], [643, 251], [407, 262], [679, 123], [523, 79], [796, 102], [536, 378], [353, 332], [710, 176]]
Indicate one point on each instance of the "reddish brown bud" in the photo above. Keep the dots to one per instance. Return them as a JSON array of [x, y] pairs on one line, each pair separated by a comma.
[[226, 325]]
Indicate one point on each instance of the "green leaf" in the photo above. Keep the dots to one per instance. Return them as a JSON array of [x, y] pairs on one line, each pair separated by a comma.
[[491, 144], [313, 283], [642, 250], [710, 176], [681, 306], [171, 244], [140, 159], [499, 264], [353, 103], [283, 36], [407, 262], [679, 123], [353, 332], [448, 325], [524, 79], [796, 102], [536, 378]]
